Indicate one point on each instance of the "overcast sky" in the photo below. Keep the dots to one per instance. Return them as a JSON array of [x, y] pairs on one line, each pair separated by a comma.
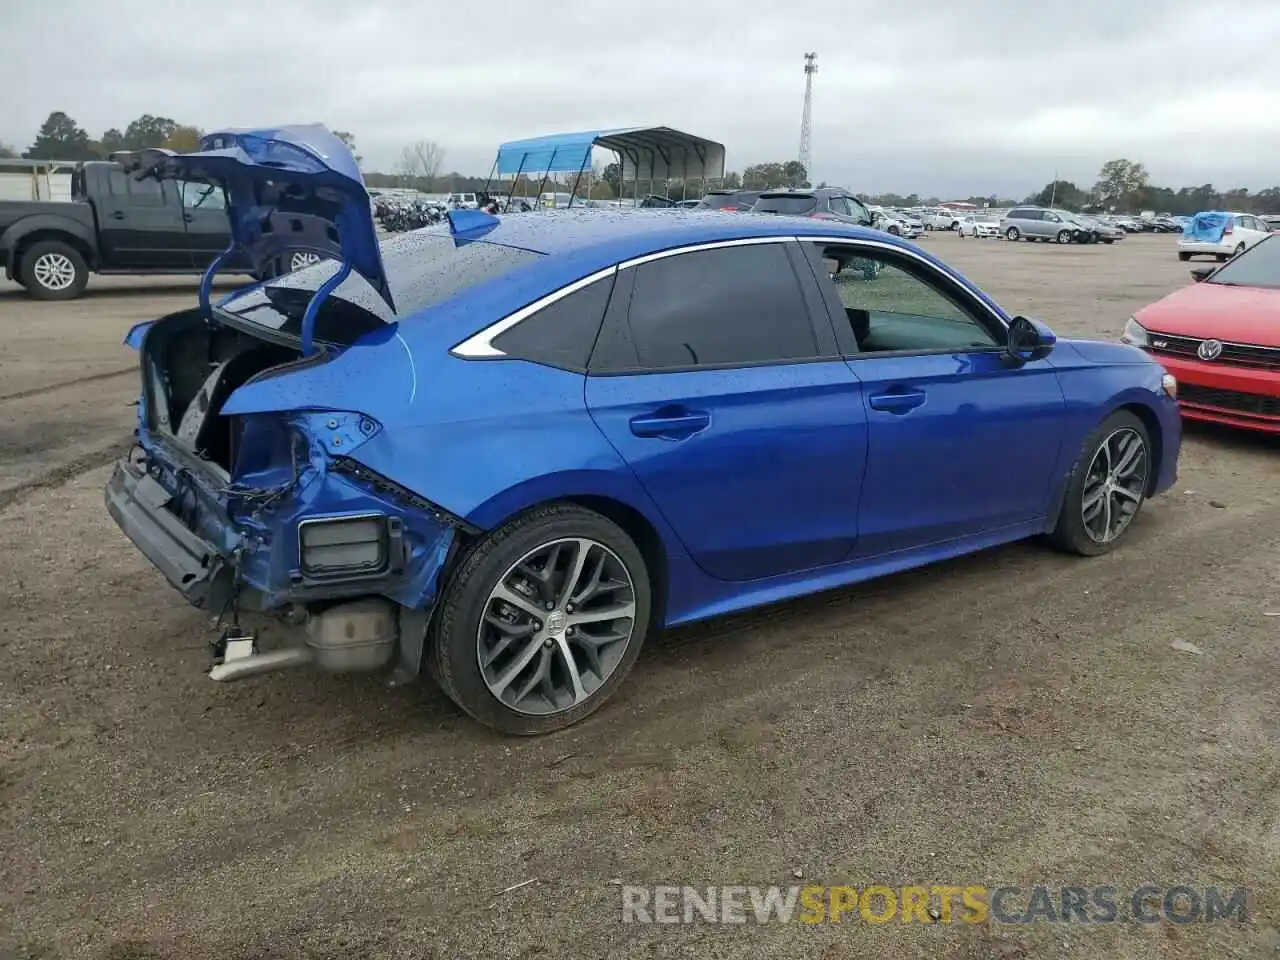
[[953, 97]]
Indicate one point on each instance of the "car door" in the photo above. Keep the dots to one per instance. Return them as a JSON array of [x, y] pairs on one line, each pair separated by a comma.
[[140, 224], [208, 234], [717, 379], [960, 443]]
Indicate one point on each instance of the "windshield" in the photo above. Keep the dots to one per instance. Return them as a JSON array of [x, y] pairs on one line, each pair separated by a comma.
[[422, 268], [1259, 266], [785, 203]]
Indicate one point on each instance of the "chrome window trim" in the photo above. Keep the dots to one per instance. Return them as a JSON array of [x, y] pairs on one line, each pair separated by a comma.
[[903, 251], [480, 346]]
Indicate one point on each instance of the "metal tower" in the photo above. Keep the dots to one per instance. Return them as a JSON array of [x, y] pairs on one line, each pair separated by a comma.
[[806, 119]]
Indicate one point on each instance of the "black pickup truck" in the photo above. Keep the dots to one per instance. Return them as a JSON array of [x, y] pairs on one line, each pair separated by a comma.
[[116, 224]]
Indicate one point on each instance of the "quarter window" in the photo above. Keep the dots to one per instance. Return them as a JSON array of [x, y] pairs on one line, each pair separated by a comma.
[[894, 306], [562, 333], [723, 307]]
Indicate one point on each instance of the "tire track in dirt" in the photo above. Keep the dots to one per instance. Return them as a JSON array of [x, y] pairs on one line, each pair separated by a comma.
[[50, 434], [49, 388]]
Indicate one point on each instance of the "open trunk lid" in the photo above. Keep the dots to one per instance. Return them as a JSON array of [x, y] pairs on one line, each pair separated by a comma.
[[304, 171]]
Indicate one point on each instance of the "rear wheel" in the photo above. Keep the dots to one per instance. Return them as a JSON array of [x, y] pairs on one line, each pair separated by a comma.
[[1107, 486], [53, 270], [542, 620], [1184, 256], [1239, 250]]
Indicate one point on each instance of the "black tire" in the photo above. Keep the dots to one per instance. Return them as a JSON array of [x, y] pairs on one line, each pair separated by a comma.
[[1012, 234], [1069, 534], [36, 260], [1240, 248], [452, 643], [1184, 256], [1108, 240]]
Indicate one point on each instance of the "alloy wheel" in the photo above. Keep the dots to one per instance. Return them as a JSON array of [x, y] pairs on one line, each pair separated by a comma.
[[1064, 236], [1011, 233], [303, 258], [556, 625], [54, 271], [1115, 485]]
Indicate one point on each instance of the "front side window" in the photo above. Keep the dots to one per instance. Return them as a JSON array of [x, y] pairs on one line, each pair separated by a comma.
[[202, 196], [895, 306], [724, 307]]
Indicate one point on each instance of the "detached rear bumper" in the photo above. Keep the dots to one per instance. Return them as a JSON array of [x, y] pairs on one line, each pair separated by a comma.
[[195, 567]]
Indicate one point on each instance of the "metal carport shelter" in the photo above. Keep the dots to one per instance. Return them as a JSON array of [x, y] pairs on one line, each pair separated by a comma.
[[658, 153]]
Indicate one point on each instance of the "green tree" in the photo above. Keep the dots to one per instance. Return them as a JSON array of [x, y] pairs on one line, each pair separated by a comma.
[[612, 175], [112, 141], [60, 138], [147, 131], [1119, 181], [183, 139], [1060, 193]]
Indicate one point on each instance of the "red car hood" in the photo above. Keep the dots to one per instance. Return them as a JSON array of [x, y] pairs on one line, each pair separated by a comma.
[[1203, 310]]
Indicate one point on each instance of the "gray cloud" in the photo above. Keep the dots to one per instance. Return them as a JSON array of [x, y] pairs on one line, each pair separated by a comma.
[[935, 97]]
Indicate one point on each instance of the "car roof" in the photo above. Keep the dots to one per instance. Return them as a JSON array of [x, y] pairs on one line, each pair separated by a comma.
[[635, 233]]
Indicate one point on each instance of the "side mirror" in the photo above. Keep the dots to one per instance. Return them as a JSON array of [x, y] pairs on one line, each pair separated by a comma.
[[1200, 274], [1029, 340]]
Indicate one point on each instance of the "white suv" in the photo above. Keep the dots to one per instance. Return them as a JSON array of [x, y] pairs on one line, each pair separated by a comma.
[[1242, 232]]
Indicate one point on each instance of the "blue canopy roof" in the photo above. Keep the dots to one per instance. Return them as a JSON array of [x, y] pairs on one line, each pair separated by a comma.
[[657, 153]]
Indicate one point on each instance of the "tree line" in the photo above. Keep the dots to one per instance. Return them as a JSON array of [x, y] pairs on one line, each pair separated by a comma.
[[1122, 186]]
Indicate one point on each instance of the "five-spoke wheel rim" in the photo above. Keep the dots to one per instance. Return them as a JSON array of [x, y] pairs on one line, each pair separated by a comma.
[[54, 271], [556, 626], [1114, 485], [303, 258]]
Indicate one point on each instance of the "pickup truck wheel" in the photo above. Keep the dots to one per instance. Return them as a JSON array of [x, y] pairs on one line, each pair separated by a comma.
[[541, 621], [301, 258], [52, 270]]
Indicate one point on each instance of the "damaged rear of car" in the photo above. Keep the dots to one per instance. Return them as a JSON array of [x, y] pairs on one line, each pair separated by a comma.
[[243, 488]]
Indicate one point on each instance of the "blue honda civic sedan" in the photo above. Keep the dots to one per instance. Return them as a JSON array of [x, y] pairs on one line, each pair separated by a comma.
[[501, 451]]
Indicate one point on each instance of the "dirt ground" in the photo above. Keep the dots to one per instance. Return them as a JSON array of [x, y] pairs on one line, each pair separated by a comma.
[[1017, 717]]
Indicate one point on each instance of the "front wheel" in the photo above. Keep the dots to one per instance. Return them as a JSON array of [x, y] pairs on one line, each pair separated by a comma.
[[542, 620], [1107, 487], [1064, 236], [1012, 234]]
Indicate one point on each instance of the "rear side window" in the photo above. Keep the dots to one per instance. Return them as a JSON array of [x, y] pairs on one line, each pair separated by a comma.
[[718, 201], [725, 307], [785, 204], [562, 333]]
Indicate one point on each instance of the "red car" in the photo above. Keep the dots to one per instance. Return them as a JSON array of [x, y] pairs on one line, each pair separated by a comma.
[[1220, 338]]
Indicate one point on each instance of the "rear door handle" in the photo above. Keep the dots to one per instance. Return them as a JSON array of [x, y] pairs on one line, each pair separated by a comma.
[[117, 214], [670, 423], [897, 402], [187, 217]]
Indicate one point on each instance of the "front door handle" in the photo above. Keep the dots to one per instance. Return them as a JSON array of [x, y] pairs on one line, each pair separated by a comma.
[[897, 402], [117, 214], [670, 423]]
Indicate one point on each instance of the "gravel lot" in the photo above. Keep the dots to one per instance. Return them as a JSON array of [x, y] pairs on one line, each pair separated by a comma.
[[1017, 717]]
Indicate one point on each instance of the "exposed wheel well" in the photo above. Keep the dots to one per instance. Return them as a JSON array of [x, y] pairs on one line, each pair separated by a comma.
[[1152, 423], [39, 236]]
